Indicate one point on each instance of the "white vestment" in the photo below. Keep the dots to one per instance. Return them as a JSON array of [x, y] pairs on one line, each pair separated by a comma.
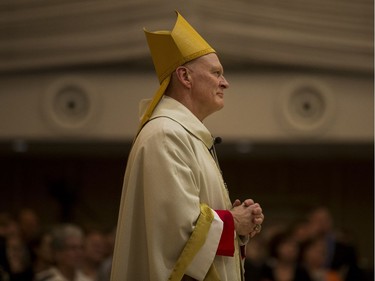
[[170, 172]]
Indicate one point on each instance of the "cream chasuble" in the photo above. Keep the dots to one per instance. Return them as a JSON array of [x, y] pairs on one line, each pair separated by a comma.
[[169, 174]]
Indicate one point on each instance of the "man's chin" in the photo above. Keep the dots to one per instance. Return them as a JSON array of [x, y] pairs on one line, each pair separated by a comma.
[[221, 106]]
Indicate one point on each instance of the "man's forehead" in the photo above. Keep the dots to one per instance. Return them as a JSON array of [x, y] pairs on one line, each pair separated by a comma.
[[209, 60]]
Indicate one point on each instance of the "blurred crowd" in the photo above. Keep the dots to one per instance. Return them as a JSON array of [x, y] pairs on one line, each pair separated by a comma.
[[310, 249], [307, 250], [62, 252]]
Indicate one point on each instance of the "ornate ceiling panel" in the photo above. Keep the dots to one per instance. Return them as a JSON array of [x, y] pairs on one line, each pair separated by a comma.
[[323, 34]]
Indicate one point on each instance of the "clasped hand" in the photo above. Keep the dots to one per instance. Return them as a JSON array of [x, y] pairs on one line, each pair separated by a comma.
[[247, 215]]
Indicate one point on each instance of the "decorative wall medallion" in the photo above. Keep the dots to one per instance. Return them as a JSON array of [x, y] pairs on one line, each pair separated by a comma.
[[306, 107], [70, 104]]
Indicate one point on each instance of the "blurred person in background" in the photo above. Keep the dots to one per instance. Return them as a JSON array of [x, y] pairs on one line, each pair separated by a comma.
[[15, 263], [341, 254], [67, 251], [29, 224], [94, 252], [5, 221], [313, 255], [282, 263], [41, 252], [8, 225], [18, 256], [104, 273], [300, 230]]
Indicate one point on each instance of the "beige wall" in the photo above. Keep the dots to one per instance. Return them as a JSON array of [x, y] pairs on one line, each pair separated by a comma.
[[262, 106]]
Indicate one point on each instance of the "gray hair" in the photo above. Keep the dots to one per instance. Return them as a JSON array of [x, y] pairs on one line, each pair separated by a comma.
[[60, 233]]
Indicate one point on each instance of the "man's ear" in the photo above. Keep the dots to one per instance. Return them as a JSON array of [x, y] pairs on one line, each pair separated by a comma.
[[183, 76]]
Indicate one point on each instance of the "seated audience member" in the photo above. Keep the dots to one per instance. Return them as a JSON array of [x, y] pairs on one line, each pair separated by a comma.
[[41, 253], [104, 273], [19, 259], [94, 254], [313, 254], [14, 255], [282, 264], [67, 251], [341, 254], [29, 224], [300, 230]]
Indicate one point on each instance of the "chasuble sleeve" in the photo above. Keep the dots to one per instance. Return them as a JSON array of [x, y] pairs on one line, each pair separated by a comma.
[[226, 244]]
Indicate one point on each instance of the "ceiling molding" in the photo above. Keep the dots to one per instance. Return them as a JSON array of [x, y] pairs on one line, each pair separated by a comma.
[[332, 34]]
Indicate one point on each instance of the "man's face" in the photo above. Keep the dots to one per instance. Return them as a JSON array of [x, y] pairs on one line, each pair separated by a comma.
[[72, 254], [208, 85]]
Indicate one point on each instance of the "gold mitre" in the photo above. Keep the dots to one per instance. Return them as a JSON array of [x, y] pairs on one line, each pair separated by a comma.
[[169, 50]]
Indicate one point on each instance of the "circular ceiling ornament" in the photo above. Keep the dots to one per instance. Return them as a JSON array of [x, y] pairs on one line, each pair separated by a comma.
[[70, 104], [306, 107]]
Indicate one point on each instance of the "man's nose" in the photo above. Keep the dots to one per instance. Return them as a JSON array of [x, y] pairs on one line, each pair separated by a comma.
[[224, 83]]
